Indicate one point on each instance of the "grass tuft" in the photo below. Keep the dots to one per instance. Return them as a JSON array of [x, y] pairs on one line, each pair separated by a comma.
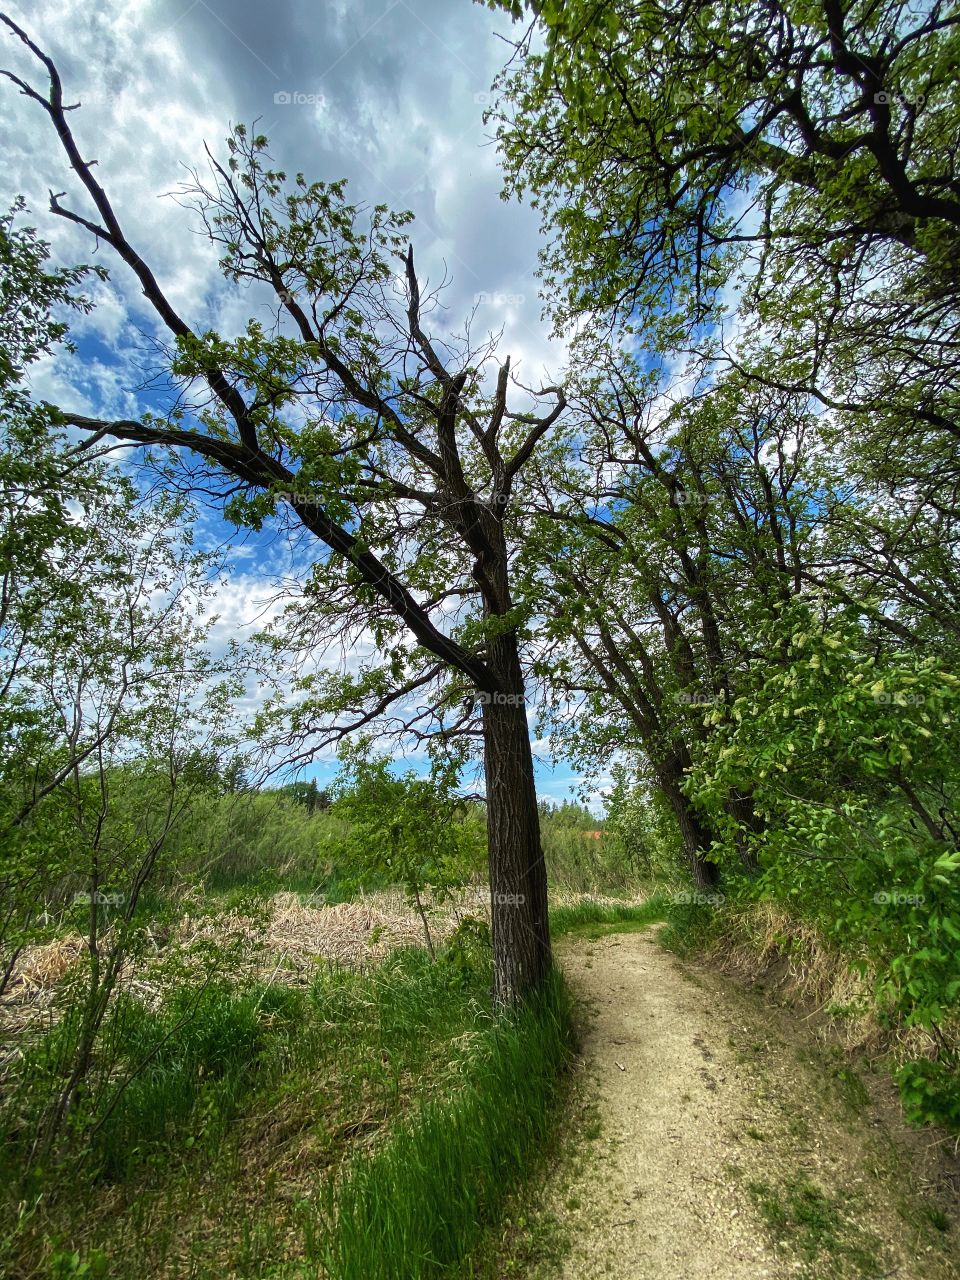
[[594, 919], [420, 1203]]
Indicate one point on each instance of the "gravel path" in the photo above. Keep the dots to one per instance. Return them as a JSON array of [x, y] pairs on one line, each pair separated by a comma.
[[720, 1157]]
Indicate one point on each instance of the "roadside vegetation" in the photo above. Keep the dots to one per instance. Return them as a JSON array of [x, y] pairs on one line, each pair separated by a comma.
[[282, 1039], [255, 1025], [246, 1128]]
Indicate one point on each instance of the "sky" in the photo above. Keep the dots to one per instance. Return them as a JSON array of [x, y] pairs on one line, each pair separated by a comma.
[[388, 94]]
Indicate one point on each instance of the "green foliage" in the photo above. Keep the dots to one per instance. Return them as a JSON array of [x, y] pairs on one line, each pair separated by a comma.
[[642, 834], [112, 715], [30, 293], [576, 859], [417, 832], [664, 143], [203, 1083], [850, 756], [930, 1090], [467, 950], [232, 839]]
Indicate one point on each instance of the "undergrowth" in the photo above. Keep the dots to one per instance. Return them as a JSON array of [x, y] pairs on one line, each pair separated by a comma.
[[418, 1205], [593, 919], [761, 940], [263, 1130]]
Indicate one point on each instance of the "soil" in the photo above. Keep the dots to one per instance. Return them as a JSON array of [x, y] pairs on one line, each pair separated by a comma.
[[729, 1144]]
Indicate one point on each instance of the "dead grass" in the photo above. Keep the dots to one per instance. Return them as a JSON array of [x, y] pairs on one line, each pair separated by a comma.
[[789, 957], [299, 936]]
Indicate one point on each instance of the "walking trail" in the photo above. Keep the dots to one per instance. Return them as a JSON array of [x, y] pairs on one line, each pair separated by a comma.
[[728, 1143]]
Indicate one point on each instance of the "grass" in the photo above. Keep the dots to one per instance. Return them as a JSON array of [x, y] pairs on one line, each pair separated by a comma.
[[853, 1093], [691, 927], [596, 920], [820, 1228], [420, 1204], [253, 1132]]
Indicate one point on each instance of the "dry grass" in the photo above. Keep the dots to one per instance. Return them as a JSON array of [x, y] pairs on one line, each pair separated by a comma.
[[41, 967], [27, 1004], [298, 937], [766, 945]]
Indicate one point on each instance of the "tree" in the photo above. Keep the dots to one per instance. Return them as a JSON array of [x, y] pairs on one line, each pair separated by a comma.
[[415, 831], [665, 139], [799, 162], [35, 532], [394, 451], [850, 748], [762, 198], [678, 533], [112, 718], [775, 187], [639, 824]]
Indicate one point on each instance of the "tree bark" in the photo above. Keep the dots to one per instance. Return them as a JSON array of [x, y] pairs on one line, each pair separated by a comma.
[[518, 875], [696, 838], [740, 806]]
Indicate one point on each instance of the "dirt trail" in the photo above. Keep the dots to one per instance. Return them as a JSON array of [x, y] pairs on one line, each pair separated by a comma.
[[721, 1153]]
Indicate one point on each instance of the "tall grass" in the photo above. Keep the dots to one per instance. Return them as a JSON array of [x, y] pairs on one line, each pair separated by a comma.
[[417, 1206], [575, 859], [270, 840], [261, 837], [598, 918], [214, 1144]]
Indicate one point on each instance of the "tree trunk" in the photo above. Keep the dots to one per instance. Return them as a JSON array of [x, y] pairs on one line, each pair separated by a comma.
[[695, 836], [518, 874], [740, 807]]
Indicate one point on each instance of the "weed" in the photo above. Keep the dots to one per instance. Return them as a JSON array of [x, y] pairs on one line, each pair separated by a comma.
[[818, 1227], [421, 1201]]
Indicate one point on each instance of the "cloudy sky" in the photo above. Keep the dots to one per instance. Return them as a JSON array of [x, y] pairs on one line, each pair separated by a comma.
[[386, 93]]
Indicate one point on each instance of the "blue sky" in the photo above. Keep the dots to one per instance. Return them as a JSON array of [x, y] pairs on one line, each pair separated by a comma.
[[387, 93]]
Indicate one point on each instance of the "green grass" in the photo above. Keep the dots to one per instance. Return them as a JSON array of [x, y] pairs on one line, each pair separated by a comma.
[[691, 927], [820, 1228], [252, 1129], [418, 1206], [595, 920], [851, 1089]]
